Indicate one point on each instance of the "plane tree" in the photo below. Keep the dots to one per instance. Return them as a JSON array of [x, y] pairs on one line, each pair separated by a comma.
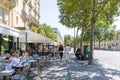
[[47, 31], [86, 13], [103, 32], [68, 40], [44, 29], [73, 16]]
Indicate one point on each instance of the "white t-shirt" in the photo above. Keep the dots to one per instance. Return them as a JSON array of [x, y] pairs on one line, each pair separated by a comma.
[[55, 50], [15, 61], [67, 48]]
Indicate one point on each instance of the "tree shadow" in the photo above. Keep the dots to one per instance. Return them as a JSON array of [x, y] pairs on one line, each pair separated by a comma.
[[94, 72], [78, 70]]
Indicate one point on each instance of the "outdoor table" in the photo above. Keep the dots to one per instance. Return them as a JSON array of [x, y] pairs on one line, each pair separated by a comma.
[[5, 61], [38, 58], [3, 57], [18, 68], [32, 62], [6, 73]]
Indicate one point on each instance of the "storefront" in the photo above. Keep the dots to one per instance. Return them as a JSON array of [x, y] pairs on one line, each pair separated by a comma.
[[9, 38], [35, 40]]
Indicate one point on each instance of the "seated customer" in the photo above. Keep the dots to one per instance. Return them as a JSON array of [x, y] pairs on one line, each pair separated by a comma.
[[13, 61], [79, 54], [24, 54]]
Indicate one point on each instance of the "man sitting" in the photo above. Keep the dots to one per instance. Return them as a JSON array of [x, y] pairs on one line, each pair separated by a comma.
[[78, 54]]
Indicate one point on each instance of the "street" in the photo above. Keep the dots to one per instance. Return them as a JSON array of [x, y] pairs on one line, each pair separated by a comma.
[[109, 57]]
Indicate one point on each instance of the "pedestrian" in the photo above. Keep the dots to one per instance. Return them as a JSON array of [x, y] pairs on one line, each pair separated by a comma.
[[67, 49], [51, 52], [56, 51], [61, 51]]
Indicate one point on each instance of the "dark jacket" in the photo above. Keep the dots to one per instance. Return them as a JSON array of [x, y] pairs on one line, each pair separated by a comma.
[[78, 54], [60, 49]]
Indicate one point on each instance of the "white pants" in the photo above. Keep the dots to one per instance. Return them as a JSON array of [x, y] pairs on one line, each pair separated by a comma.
[[67, 55]]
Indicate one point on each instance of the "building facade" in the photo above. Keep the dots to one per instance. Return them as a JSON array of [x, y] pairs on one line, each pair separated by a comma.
[[26, 12], [113, 44], [15, 16], [59, 37]]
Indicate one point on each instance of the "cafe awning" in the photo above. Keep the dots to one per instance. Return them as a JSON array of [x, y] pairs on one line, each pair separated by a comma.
[[4, 29], [34, 37]]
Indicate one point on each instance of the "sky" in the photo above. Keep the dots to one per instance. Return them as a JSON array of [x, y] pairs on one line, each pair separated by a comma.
[[49, 13], [117, 23]]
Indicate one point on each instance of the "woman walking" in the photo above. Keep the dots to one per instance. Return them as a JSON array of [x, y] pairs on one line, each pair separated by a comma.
[[61, 51]]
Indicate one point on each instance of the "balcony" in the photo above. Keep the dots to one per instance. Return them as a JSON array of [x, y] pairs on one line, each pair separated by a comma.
[[39, 3], [25, 1], [24, 15], [39, 15], [32, 19], [35, 21], [9, 3], [30, 4], [34, 9]]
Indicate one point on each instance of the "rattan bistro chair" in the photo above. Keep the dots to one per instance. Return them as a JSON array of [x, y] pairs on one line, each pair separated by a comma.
[[23, 74]]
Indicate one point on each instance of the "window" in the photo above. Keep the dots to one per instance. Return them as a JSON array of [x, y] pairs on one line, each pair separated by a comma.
[[17, 2], [24, 6], [30, 12], [6, 17], [16, 19], [1, 14]]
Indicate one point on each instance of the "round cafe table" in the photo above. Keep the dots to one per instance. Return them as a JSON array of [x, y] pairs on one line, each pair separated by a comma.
[[7, 73]]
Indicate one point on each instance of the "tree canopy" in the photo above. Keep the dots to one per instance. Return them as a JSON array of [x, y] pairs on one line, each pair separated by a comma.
[[68, 40], [47, 31], [86, 14]]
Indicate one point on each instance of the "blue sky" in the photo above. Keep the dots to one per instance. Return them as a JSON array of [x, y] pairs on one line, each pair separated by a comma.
[[117, 23], [49, 14]]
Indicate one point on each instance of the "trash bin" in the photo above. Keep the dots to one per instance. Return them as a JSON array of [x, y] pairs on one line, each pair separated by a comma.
[[85, 51]]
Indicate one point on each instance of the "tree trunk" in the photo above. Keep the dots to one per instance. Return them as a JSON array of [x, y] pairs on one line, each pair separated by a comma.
[[90, 61], [74, 41], [99, 44], [81, 39], [77, 36]]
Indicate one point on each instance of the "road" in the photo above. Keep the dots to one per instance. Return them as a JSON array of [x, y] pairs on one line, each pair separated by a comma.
[[109, 57]]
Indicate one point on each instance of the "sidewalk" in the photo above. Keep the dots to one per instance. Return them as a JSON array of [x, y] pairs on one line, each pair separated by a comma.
[[78, 70]]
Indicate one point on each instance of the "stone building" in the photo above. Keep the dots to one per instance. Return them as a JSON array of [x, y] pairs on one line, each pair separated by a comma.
[[15, 17], [59, 37], [113, 44]]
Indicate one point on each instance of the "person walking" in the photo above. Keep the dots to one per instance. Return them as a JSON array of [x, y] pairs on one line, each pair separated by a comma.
[[67, 49], [61, 51], [56, 51]]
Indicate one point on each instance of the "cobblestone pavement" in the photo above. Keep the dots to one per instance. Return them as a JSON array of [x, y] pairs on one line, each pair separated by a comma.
[[74, 69]]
